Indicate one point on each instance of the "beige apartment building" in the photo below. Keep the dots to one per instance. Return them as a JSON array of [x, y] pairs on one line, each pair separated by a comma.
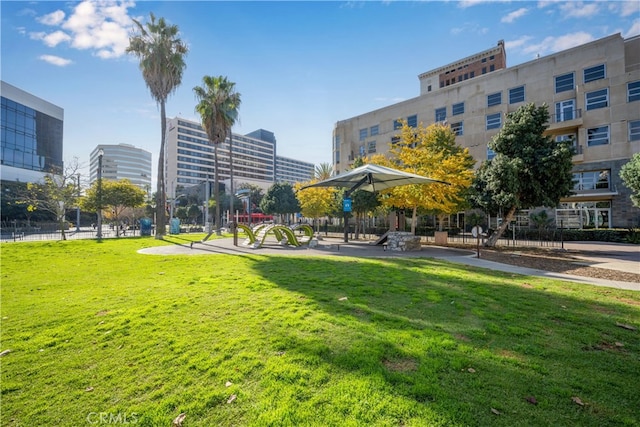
[[593, 94]]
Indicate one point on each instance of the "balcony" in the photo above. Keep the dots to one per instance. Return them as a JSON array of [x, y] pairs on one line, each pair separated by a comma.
[[566, 120]]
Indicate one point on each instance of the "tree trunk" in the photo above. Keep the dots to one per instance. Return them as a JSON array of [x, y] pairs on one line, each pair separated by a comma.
[[161, 196], [231, 218], [491, 241], [216, 189]]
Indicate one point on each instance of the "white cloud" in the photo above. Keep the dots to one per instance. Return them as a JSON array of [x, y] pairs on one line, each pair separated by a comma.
[[53, 18], [555, 44], [579, 9], [101, 26], [629, 8], [469, 28], [516, 44], [55, 60], [55, 38], [469, 3], [634, 30], [508, 19]]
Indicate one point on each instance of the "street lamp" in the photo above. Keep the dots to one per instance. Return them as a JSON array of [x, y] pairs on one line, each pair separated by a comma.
[[78, 208], [99, 195]]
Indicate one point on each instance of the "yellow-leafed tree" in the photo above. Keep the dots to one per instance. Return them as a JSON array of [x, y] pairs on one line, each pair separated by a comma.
[[315, 202], [430, 152]]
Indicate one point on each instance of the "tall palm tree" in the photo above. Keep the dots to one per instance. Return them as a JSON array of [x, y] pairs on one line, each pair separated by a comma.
[[218, 104], [323, 171], [161, 54]]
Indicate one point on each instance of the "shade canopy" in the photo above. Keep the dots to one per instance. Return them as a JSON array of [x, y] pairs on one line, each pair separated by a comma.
[[373, 178]]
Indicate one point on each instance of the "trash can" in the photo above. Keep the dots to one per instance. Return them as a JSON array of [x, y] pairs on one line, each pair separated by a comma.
[[145, 226], [174, 226]]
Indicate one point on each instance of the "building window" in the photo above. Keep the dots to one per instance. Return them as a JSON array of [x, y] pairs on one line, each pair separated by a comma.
[[597, 99], [397, 124], [337, 142], [412, 121], [484, 70], [395, 139], [441, 114], [363, 134], [634, 130], [564, 82], [494, 99], [494, 121], [598, 136], [516, 95], [472, 74], [457, 109], [633, 91], [337, 157], [594, 73], [429, 88], [490, 153], [565, 110], [457, 128], [371, 147], [492, 67], [592, 180], [374, 130]]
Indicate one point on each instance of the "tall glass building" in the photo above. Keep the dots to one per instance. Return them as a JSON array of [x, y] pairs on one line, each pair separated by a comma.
[[31, 136]]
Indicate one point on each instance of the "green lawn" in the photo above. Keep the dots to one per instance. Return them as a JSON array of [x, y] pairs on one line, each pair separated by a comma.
[[99, 333]]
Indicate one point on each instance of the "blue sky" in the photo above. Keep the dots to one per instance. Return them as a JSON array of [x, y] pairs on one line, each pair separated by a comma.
[[299, 66]]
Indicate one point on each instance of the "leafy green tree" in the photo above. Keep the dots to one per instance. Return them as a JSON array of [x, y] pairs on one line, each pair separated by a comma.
[[529, 169], [117, 196], [218, 104], [630, 174], [280, 200], [54, 195], [182, 214], [161, 53], [194, 213]]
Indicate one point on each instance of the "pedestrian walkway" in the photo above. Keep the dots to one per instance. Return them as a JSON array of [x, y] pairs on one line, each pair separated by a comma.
[[628, 259]]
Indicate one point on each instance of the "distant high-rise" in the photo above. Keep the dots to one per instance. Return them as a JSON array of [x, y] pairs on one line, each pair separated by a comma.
[[293, 171], [122, 161], [31, 136]]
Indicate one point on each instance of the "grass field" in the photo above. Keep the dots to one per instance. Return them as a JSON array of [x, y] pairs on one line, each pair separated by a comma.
[[99, 334]]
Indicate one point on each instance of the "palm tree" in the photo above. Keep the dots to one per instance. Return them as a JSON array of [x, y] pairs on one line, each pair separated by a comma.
[[323, 171], [161, 54], [218, 104]]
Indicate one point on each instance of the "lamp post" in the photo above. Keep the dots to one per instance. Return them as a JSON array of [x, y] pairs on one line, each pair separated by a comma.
[[78, 208], [99, 195]]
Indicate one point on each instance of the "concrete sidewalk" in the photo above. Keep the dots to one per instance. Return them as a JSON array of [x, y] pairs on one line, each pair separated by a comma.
[[614, 256]]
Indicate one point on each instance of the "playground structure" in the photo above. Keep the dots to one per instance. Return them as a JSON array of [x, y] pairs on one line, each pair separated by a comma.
[[298, 235]]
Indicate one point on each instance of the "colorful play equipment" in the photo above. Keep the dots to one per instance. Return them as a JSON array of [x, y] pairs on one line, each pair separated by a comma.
[[298, 235]]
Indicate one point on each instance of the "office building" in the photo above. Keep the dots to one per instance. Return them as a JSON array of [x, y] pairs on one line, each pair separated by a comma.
[[31, 136], [593, 94], [122, 161], [293, 171], [189, 159]]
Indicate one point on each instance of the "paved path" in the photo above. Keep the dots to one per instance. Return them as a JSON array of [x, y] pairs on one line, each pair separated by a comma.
[[596, 254]]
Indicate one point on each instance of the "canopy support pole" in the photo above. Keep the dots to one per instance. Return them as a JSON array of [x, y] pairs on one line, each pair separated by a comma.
[[367, 179]]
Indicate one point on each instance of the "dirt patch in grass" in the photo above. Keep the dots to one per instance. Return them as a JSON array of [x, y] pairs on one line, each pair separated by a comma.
[[401, 365]]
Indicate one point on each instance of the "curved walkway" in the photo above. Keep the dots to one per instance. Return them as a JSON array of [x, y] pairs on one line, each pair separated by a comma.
[[628, 258]]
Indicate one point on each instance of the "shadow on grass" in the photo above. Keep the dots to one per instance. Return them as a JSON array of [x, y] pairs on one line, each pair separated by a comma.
[[466, 341]]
